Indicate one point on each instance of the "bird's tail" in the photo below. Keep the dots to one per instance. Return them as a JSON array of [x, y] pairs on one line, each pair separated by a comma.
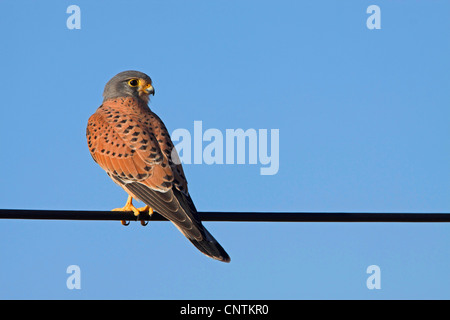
[[209, 246], [180, 209]]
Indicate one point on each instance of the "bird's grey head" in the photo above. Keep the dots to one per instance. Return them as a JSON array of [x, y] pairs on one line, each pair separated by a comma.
[[129, 84]]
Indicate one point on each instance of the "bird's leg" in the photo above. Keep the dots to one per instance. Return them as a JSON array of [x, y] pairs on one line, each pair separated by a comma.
[[128, 207], [145, 209]]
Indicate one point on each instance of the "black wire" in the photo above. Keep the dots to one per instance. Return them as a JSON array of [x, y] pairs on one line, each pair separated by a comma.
[[229, 216]]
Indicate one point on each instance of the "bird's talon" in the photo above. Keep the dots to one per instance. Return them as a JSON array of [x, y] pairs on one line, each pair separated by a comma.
[[144, 210], [128, 207]]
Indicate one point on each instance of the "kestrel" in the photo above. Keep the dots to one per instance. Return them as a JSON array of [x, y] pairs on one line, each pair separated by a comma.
[[133, 146]]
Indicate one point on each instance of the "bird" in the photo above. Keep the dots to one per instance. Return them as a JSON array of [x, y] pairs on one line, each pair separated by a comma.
[[132, 144]]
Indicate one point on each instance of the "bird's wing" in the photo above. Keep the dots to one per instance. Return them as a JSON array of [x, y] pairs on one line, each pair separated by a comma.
[[168, 150], [127, 150]]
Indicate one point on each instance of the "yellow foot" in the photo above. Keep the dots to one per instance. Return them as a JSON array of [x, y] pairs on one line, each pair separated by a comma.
[[145, 209], [130, 207]]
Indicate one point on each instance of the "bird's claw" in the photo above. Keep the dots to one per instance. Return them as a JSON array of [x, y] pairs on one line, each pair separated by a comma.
[[144, 223], [137, 211], [143, 210]]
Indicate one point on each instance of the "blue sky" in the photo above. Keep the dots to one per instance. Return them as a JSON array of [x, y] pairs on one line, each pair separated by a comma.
[[363, 117]]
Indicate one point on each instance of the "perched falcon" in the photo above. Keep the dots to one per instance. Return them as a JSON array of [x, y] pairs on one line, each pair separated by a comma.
[[133, 146]]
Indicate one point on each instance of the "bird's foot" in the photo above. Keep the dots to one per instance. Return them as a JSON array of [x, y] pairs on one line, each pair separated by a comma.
[[143, 210], [128, 207]]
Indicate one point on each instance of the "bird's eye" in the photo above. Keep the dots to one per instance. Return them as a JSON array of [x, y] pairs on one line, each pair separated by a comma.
[[133, 83]]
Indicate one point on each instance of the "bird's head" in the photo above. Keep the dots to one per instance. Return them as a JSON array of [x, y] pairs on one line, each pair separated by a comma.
[[129, 84]]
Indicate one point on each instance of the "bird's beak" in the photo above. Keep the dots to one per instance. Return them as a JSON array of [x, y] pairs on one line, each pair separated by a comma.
[[150, 90], [146, 89]]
